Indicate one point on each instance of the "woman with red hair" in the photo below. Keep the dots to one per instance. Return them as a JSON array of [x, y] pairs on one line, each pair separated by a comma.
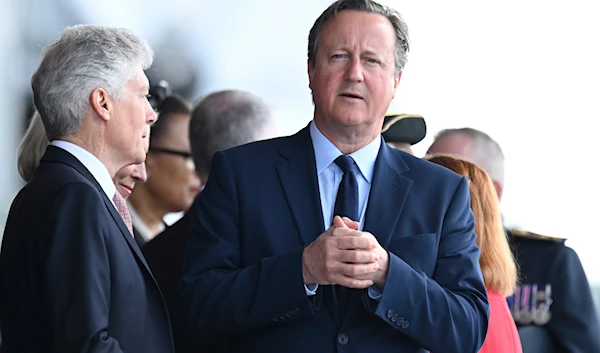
[[496, 259]]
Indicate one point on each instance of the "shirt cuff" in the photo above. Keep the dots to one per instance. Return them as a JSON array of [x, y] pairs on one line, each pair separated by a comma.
[[374, 293], [311, 289]]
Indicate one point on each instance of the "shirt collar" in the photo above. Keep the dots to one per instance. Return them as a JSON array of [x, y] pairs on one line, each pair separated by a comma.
[[326, 152], [93, 165]]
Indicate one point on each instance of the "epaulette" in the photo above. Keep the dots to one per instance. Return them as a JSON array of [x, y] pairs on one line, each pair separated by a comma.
[[529, 235]]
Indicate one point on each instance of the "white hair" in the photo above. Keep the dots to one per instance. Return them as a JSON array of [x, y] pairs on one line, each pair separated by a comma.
[[84, 58]]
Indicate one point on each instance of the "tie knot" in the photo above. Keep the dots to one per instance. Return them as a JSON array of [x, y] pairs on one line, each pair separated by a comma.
[[345, 163]]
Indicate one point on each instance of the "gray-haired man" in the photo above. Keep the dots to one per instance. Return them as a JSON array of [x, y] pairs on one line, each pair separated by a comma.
[[73, 278]]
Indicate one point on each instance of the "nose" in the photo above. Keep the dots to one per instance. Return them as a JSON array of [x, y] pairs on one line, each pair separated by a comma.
[[150, 114], [139, 173], [354, 70]]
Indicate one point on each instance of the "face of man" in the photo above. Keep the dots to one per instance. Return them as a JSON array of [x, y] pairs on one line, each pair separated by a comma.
[[133, 116], [128, 176], [354, 79]]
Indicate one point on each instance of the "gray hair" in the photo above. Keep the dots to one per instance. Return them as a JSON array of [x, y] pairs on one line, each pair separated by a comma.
[[400, 27], [226, 119], [486, 152], [32, 147], [84, 58]]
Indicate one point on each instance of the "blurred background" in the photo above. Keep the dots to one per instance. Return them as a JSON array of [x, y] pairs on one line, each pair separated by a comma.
[[525, 72]]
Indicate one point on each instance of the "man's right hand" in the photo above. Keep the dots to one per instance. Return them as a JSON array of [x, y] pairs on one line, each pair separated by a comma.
[[338, 256]]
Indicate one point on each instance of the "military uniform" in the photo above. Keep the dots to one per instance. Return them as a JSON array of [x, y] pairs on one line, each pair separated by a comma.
[[553, 301]]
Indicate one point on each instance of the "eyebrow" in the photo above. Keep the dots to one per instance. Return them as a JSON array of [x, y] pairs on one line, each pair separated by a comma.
[[366, 52]]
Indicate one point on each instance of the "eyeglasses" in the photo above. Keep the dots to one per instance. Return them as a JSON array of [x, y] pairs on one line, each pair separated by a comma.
[[186, 155]]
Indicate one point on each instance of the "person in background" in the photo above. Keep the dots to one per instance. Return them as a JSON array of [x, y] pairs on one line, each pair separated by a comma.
[[401, 130], [553, 304], [172, 182], [72, 277], [220, 120], [496, 260]]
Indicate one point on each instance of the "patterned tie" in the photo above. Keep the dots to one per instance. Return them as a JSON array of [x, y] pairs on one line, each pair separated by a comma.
[[123, 211], [346, 203]]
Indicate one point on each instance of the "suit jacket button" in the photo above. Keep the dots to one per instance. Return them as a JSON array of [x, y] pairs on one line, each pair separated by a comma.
[[395, 317], [405, 324], [281, 317], [342, 339], [390, 313], [296, 311], [275, 317]]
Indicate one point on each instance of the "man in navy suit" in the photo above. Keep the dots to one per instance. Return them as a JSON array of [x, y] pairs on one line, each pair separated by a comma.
[[271, 267], [73, 278]]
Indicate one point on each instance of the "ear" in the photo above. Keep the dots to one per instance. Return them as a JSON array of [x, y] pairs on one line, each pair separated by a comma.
[[310, 73], [499, 188], [101, 104], [396, 83]]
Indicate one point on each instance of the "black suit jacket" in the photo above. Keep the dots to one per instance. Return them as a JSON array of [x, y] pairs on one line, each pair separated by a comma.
[[72, 277], [165, 254]]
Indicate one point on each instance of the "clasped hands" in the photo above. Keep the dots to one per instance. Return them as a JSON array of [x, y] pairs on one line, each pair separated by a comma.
[[346, 256]]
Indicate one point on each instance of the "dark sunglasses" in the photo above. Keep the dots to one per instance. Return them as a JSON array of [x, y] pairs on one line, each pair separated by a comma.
[[170, 151]]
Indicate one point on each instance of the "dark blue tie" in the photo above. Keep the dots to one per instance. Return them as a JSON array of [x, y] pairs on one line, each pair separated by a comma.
[[346, 203]]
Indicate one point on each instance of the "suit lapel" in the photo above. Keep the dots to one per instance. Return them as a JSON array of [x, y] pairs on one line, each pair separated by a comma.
[[56, 154], [298, 177], [125, 232], [389, 190]]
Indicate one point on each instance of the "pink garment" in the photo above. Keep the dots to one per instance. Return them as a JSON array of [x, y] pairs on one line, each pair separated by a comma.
[[502, 335]]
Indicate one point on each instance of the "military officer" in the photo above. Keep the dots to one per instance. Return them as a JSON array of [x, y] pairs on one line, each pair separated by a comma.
[[401, 130], [554, 293]]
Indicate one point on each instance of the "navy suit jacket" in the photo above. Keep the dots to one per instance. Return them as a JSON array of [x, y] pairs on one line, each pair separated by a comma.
[[72, 277], [243, 279]]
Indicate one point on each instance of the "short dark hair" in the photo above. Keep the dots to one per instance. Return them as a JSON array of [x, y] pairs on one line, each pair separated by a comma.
[[172, 105], [369, 6]]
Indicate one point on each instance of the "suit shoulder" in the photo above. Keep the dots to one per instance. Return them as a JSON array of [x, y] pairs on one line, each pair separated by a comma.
[[427, 168], [521, 234], [256, 146]]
